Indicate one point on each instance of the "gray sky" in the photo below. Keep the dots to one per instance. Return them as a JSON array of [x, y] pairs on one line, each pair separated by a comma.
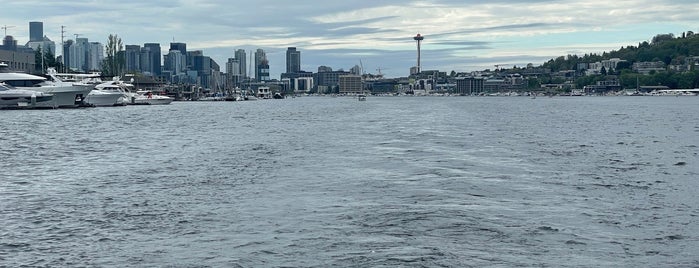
[[460, 35]]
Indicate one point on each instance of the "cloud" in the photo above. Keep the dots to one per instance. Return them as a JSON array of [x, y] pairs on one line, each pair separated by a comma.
[[334, 32]]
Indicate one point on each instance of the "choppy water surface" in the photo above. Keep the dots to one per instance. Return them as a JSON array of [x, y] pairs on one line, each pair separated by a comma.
[[323, 182]]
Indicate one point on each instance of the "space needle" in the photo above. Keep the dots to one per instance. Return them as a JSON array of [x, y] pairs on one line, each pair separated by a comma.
[[418, 38]]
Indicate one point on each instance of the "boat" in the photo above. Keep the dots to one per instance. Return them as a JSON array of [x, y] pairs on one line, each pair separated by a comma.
[[264, 93], [108, 94], [361, 97], [11, 98], [148, 98], [65, 94], [278, 96]]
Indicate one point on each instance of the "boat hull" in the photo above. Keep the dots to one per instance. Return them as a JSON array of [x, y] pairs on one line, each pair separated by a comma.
[[152, 101], [66, 96], [104, 99], [26, 99]]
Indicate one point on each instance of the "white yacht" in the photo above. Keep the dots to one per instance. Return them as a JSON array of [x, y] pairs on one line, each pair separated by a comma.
[[65, 94], [108, 94], [11, 98]]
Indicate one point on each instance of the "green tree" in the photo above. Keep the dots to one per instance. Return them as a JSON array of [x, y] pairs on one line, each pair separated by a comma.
[[43, 59], [114, 63]]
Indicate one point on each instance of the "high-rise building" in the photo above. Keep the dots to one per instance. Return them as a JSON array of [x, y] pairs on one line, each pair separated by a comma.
[[241, 56], [155, 58], [260, 58], [95, 56], [181, 47], [37, 40], [233, 66], [78, 55], [133, 58], [262, 71], [175, 62], [36, 31], [293, 60], [66, 53]]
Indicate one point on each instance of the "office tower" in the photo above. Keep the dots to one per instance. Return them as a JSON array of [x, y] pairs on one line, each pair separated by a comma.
[[132, 58], [175, 62], [181, 47], [78, 54], [95, 56], [293, 60], [36, 31], [241, 56], [155, 58], [260, 57], [66, 53]]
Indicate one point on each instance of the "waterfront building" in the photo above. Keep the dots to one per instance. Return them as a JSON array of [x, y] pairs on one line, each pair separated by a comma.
[[293, 60], [328, 80], [469, 85], [351, 84], [17, 59]]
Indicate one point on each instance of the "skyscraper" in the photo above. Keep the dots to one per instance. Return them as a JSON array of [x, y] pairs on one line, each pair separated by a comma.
[[36, 31], [182, 47], [260, 58], [156, 57], [293, 60], [133, 58], [240, 55]]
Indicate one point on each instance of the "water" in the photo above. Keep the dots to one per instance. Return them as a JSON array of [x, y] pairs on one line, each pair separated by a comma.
[[326, 182]]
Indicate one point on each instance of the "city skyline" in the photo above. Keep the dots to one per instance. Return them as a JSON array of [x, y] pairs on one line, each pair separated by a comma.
[[459, 35]]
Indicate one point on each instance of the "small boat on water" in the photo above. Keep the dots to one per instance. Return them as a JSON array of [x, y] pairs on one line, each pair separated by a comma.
[[361, 97], [11, 98], [148, 98]]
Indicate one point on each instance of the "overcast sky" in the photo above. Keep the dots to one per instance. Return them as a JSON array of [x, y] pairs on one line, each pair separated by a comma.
[[460, 35]]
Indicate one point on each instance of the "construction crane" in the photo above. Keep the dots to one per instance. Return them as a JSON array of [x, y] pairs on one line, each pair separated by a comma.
[[379, 70], [5, 27]]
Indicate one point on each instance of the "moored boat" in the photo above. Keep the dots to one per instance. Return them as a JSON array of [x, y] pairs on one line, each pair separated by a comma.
[[11, 98], [65, 94]]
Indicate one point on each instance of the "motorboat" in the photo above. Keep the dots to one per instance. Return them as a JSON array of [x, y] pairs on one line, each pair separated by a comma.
[[64, 94], [108, 94], [148, 98], [361, 97], [11, 98]]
